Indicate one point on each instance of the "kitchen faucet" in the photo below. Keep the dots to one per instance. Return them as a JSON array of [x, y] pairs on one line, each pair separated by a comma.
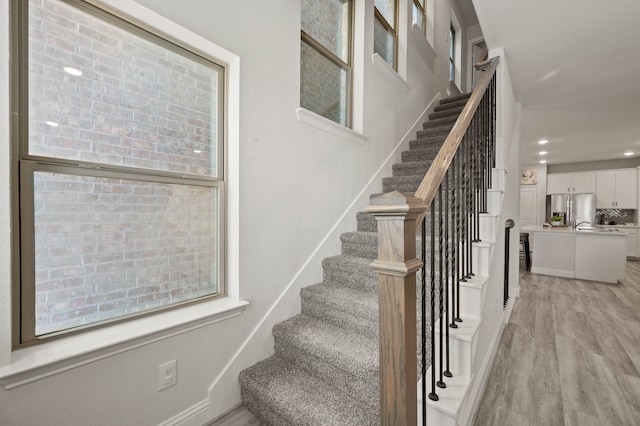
[[576, 223]]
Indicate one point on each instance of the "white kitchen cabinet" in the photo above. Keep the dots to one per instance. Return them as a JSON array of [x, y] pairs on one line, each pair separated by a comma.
[[583, 182], [554, 254], [599, 257], [632, 243], [617, 189], [632, 237], [563, 183]]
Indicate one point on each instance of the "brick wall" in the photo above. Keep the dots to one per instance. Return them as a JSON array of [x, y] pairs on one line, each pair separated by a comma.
[[110, 247]]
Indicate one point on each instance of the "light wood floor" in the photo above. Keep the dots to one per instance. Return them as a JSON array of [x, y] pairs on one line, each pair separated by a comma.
[[570, 355]]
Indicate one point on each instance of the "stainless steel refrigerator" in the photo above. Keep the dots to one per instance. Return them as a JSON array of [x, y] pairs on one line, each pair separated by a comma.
[[574, 208]]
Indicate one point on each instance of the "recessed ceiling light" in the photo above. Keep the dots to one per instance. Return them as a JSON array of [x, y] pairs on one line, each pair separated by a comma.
[[628, 153], [542, 153], [72, 71], [543, 161], [543, 141], [52, 123]]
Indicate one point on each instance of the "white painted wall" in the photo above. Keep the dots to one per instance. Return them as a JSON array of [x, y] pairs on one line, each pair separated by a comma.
[[296, 184]]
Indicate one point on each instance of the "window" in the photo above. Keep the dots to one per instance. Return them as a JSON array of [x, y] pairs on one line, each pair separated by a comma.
[[452, 53], [419, 15], [120, 189], [385, 39], [325, 58]]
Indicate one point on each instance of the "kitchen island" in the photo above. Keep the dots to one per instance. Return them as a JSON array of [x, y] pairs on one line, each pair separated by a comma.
[[582, 254]]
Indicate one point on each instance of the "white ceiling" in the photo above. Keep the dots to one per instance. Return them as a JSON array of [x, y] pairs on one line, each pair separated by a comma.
[[575, 68]]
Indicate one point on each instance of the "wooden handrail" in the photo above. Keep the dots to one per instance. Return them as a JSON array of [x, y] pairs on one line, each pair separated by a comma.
[[429, 185]]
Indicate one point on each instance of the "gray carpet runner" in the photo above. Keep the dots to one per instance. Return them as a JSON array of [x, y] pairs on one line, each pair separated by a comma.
[[325, 368]]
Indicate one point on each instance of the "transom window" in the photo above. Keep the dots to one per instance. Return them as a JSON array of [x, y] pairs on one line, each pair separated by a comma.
[[419, 15], [120, 187], [326, 57], [385, 38]]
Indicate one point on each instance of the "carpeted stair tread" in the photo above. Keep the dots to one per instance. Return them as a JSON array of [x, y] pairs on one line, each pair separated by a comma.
[[428, 142], [441, 130], [442, 121], [344, 349], [411, 168], [421, 154], [402, 183], [347, 307], [456, 98], [450, 105], [280, 395], [360, 244], [447, 112], [366, 222], [344, 359], [350, 271]]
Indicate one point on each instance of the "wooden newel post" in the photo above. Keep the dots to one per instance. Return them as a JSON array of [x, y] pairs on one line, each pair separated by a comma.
[[396, 215]]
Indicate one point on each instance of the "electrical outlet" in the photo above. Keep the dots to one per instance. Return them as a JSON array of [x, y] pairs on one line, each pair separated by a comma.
[[167, 375]]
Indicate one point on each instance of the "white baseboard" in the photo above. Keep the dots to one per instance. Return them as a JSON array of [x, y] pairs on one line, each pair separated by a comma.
[[196, 415]]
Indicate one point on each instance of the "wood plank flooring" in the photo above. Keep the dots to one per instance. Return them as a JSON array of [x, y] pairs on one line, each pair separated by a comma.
[[570, 355]]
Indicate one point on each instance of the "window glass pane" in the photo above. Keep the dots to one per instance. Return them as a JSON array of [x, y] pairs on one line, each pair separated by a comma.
[[328, 22], [324, 86], [136, 103], [388, 9], [107, 248], [418, 17], [384, 43]]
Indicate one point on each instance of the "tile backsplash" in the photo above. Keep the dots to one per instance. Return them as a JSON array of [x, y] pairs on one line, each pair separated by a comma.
[[617, 215]]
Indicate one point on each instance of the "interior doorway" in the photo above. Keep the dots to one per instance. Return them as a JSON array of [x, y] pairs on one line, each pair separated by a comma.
[[478, 48]]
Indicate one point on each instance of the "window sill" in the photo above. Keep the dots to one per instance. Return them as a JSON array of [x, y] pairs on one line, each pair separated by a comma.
[[383, 65], [318, 121], [424, 47], [44, 360]]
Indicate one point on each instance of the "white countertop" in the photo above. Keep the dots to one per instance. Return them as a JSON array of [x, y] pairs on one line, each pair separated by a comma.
[[568, 230]]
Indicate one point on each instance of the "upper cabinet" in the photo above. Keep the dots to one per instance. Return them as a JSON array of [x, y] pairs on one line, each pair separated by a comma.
[[563, 183], [617, 189]]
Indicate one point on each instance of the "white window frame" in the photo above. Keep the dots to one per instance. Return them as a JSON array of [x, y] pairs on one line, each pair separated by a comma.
[[421, 5], [165, 323], [345, 65], [390, 28]]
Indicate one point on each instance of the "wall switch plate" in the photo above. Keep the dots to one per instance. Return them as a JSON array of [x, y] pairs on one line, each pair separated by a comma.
[[167, 375]]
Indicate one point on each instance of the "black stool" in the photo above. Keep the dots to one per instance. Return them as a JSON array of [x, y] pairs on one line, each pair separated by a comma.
[[524, 240]]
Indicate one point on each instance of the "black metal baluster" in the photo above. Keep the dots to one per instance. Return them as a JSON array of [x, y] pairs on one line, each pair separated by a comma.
[[459, 233], [469, 215], [455, 267], [423, 318], [447, 371], [476, 177], [441, 383], [433, 395], [483, 150]]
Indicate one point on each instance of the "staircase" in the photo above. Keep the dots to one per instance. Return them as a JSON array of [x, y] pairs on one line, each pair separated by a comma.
[[325, 368]]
